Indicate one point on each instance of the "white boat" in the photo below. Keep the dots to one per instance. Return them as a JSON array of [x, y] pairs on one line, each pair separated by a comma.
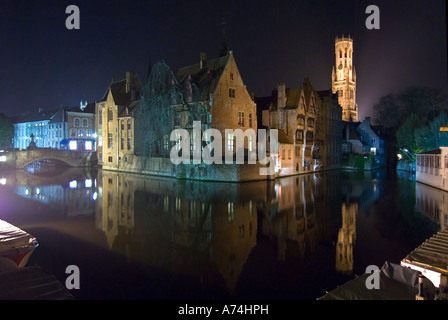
[[432, 168], [16, 246]]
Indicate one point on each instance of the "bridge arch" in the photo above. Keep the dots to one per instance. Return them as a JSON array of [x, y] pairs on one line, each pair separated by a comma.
[[71, 158]]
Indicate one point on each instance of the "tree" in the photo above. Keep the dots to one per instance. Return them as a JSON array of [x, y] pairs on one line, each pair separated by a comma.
[[429, 137], [406, 133], [423, 102], [6, 132]]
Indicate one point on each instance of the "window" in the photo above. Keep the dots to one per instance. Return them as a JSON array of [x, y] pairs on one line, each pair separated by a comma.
[[85, 123], [193, 146], [129, 143], [110, 142], [310, 122], [300, 120], [204, 117], [177, 119], [250, 120], [100, 116], [299, 135], [122, 143], [241, 119], [129, 124], [309, 137], [232, 93], [122, 124], [110, 159], [76, 122], [166, 142], [231, 76], [283, 154], [230, 142], [110, 115], [250, 143]]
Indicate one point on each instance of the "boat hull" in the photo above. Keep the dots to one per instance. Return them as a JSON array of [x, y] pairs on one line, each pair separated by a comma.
[[16, 246]]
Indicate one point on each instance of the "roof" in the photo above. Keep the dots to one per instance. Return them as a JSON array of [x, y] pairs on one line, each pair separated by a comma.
[[435, 151], [90, 108], [34, 116], [129, 110], [395, 283], [284, 138], [118, 90], [203, 79], [431, 254], [293, 98], [32, 283]]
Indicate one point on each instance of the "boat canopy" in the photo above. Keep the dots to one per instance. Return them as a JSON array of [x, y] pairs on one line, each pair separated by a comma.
[[396, 283]]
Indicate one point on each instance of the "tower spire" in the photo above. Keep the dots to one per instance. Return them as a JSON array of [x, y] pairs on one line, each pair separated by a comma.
[[344, 78]]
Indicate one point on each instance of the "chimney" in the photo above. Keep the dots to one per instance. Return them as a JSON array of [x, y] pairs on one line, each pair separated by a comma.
[[203, 59], [281, 95], [367, 121], [128, 81]]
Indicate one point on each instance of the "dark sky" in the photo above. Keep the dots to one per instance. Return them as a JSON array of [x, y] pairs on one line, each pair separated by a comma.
[[46, 65]]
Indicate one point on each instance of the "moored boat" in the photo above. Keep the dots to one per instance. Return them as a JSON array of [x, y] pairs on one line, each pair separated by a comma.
[[16, 246]]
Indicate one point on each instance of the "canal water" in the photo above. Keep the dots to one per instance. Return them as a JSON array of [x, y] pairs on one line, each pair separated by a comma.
[[142, 237]]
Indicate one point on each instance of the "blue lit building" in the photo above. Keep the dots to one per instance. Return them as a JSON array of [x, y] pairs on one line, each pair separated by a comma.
[[63, 128], [35, 123]]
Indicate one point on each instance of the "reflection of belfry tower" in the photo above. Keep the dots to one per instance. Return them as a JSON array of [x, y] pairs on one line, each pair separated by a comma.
[[346, 238], [343, 78]]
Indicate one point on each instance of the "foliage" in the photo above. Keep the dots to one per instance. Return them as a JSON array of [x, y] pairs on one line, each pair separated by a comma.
[[164, 99], [6, 132], [393, 109], [406, 133], [429, 137]]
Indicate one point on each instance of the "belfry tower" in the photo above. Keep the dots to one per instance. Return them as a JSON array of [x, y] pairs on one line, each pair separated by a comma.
[[343, 78]]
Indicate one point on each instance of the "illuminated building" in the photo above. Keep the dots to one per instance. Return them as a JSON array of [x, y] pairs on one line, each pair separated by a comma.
[[344, 78]]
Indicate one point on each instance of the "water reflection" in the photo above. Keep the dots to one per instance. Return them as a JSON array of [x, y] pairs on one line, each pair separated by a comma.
[[71, 192], [223, 232], [433, 203]]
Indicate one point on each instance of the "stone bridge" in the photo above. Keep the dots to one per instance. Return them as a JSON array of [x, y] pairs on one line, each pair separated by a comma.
[[19, 159]]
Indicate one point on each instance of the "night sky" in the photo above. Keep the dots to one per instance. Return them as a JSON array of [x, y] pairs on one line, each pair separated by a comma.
[[46, 65]]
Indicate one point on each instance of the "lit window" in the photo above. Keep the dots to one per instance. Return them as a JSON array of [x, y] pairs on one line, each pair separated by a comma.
[[88, 145], [230, 142], [110, 142], [241, 119], [73, 145], [73, 184]]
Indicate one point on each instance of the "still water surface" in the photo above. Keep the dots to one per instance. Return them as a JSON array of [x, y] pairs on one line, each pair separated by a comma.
[[141, 237]]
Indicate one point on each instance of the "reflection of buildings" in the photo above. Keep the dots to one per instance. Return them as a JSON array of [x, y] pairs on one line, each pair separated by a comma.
[[170, 224], [432, 202], [302, 212], [359, 191], [346, 238], [73, 197], [290, 215]]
